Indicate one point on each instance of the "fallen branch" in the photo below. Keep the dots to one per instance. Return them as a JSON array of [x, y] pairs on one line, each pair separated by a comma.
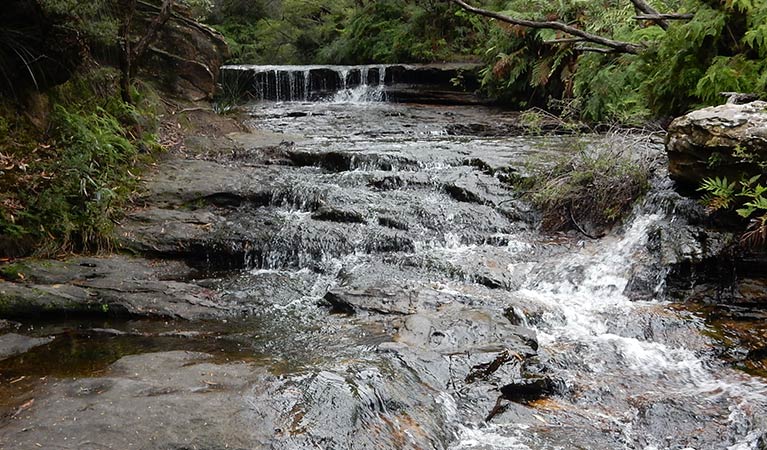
[[617, 46]]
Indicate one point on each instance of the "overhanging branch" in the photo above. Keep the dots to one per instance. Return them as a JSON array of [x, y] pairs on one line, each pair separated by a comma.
[[657, 17], [616, 46], [644, 7]]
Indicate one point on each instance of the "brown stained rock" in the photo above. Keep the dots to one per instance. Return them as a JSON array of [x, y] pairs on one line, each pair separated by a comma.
[[186, 56], [717, 141]]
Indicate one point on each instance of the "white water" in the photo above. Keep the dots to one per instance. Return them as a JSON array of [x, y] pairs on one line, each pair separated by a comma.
[[591, 305], [294, 83]]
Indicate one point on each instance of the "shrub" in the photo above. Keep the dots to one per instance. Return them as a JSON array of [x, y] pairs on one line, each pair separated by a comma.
[[594, 187], [63, 190]]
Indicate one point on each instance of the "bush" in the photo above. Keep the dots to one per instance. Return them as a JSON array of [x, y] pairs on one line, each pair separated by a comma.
[[593, 188], [63, 190]]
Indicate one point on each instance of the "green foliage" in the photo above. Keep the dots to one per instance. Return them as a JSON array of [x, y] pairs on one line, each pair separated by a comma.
[[722, 48], [94, 20], [749, 195], [64, 190], [346, 31], [719, 193], [393, 31]]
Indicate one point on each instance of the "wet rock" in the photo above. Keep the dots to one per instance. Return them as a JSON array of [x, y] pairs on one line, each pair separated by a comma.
[[337, 161], [169, 400], [392, 223], [384, 298], [191, 182], [338, 215], [726, 140], [14, 344], [528, 389], [115, 286], [8, 325], [457, 329], [526, 312], [358, 404]]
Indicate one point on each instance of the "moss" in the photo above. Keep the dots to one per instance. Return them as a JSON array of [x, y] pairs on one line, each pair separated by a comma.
[[13, 272]]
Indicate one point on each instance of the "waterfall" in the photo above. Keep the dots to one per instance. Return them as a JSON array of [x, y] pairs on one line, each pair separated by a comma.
[[310, 83]]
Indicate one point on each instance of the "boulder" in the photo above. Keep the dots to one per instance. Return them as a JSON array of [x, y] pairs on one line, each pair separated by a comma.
[[727, 140], [186, 56]]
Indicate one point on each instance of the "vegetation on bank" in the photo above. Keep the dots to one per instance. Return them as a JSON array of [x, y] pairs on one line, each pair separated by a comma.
[[71, 146], [64, 186], [593, 187], [672, 66]]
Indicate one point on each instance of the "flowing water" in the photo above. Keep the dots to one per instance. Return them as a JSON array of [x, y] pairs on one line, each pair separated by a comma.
[[402, 297], [629, 374]]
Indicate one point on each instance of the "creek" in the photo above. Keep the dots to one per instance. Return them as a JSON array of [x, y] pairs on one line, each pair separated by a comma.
[[402, 297]]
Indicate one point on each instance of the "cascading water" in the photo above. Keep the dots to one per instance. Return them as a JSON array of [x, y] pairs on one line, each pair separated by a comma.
[[633, 374], [311, 83], [397, 295], [601, 344]]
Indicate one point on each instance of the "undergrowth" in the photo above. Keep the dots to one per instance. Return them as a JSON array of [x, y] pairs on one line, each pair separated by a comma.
[[63, 187], [592, 188]]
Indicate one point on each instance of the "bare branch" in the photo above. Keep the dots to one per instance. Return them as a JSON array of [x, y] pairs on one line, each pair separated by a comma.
[[617, 46], [154, 28], [644, 7], [594, 49], [662, 17], [564, 41]]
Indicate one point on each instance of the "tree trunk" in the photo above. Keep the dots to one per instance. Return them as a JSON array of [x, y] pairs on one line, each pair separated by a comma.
[[130, 55]]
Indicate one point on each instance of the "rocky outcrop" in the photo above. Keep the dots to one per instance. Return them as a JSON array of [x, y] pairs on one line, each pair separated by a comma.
[[705, 261], [186, 56], [728, 140]]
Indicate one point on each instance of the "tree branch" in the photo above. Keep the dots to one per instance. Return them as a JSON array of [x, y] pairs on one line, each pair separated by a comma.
[[595, 50], [644, 7], [617, 46], [564, 41], [662, 17], [154, 28]]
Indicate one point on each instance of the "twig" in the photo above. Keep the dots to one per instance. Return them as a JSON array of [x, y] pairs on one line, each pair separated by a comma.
[[578, 227]]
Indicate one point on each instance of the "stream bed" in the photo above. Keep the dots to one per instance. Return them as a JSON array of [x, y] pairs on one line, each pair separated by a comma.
[[398, 295]]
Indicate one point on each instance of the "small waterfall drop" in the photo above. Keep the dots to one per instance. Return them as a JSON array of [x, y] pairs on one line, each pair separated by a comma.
[[342, 84]]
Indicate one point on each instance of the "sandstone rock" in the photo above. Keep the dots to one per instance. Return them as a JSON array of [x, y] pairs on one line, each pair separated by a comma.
[[170, 400], [116, 286], [13, 344], [717, 141], [186, 55]]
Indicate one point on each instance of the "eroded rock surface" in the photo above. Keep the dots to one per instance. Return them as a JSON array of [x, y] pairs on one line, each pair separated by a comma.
[[726, 140], [171, 400], [116, 285]]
